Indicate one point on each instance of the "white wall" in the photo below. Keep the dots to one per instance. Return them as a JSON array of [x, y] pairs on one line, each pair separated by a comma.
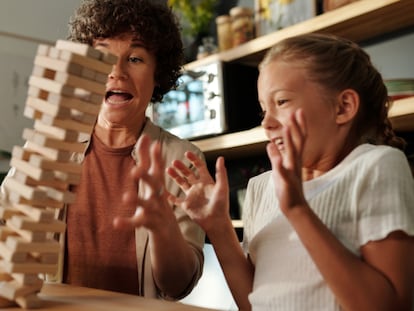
[[393, 56], [23, 25]]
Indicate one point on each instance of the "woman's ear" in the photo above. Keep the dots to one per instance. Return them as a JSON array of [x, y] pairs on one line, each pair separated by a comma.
[[348, 105]]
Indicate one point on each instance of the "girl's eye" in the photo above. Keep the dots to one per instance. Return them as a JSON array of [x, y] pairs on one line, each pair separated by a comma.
[[134, 59], [280, 102], [262, 114]]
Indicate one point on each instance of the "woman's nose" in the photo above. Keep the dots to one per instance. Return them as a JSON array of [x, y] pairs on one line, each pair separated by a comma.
[[118, 72]]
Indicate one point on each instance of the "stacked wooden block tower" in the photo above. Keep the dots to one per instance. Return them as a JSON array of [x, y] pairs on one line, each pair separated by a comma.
[[64, 97]]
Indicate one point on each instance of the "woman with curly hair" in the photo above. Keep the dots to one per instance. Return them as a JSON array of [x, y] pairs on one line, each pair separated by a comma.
[[122, 233]]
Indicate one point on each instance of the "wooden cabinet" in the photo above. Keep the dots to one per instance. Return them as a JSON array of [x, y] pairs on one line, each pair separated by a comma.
[[358, 21]]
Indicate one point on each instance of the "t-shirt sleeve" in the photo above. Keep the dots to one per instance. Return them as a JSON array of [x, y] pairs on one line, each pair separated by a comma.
[[389, 206]]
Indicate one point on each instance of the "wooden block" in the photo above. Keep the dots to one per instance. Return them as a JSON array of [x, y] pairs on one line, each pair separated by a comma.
[[108, 58], [101, 77], [7, 212], [32, 171], [56, 184], [31, 301], [46, 258], [86, 50], [54, 52], [29, 236], [75, 103], [4, 276], [18, 199], [36, 213], [87, 96], [21, 153], [26, 223], [88, 74], [82, 94], [58, 65], [72, 179], [11, 256], [84, 118], [51, 85], [68, 124], [34, 149], [95, 98], [85, 137], [30, 267], [28, 192], [38, 71], [87, 62], [46, 108], [77, 82], [66, 197], [6, 232], [43, 49], [31, 113], [12, 289], [37, 93], [18, 244], [49, 142], [43, 163], [78, 48], [56, 132], [27, 279], [49, 153]]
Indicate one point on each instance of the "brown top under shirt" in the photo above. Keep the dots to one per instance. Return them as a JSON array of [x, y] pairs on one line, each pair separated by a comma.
[[97, 255]]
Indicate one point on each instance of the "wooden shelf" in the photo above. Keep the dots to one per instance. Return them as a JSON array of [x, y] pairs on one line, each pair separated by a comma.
[[358, 21], [402, 114], [234, 145]]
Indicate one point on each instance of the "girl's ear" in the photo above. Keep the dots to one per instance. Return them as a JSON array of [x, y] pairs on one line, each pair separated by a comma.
[[348, 105]]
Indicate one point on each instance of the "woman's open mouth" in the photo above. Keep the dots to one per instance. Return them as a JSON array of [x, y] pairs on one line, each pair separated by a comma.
[[117, 97]]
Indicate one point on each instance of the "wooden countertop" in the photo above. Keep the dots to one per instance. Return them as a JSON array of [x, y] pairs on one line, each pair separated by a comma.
[[65, 297]]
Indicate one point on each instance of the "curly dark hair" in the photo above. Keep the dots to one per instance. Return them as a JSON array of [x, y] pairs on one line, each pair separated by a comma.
[[154, 23], [338, 64]]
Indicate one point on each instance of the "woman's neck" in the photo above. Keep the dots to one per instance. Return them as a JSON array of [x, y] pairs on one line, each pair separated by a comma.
[[116, 136]]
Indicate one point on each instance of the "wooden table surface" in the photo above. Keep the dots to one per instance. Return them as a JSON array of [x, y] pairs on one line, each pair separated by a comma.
[[65, 297]]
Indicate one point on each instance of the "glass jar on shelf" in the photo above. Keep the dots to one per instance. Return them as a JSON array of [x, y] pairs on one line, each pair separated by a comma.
[[224, 33], [242, 24]]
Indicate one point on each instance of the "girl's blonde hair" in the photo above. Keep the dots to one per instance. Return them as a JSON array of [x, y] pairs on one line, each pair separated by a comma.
[[338, 64]]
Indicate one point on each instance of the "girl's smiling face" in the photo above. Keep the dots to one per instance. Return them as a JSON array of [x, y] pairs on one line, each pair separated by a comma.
[[130, 84], [283, 88]]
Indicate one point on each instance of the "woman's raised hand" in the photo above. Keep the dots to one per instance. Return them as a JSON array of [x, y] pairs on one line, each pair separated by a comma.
[[153, 210]]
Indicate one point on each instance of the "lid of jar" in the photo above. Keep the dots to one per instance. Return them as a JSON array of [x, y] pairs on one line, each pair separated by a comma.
[[223, 19], [241, 11]]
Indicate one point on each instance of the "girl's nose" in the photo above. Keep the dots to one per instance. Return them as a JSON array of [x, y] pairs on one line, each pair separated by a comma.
[[270, 121]]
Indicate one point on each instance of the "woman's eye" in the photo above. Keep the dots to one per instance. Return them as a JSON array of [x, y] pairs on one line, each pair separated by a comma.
[[135, 59], [262, 114]]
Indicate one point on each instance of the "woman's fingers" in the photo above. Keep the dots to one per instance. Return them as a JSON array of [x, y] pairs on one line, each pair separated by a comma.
[[127, 223], [151, 202], [142, 149]]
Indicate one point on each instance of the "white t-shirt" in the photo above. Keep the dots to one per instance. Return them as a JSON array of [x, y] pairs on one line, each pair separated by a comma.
[[364, 198]]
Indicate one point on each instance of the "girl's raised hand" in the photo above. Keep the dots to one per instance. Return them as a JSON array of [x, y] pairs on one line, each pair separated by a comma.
[[206, 200], [287, 163]]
